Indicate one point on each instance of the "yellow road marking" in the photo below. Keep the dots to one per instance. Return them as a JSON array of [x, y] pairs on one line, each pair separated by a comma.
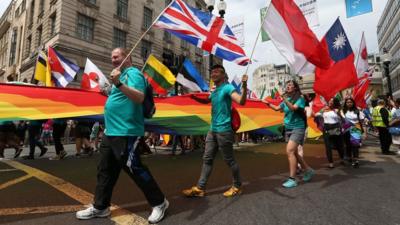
[[8, 170], [40, 209], [119, 215], [15, 181]]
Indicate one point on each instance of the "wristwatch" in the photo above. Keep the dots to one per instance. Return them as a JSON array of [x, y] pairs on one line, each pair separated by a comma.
[[119, 84]]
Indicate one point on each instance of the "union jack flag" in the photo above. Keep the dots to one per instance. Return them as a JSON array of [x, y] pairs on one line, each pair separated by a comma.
[[203, 30]]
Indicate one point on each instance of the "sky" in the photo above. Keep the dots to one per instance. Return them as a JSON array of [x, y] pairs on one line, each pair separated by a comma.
[[3, 5], [328, 11], [265, 52]]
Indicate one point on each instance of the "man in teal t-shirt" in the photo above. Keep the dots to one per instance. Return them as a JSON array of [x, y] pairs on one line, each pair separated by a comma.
[[221, 136], [124, 125]]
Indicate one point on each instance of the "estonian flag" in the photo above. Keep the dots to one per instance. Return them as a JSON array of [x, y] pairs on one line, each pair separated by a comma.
[[190, 78]]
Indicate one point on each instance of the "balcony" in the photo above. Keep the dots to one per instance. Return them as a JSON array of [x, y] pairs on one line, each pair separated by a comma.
[[11, 70], [4, 27]]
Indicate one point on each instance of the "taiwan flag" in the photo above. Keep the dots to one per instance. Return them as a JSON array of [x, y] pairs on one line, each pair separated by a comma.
[[342, 72]]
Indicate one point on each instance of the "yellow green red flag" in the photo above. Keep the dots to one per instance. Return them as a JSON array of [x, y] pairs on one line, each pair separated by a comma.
[[158, 75]]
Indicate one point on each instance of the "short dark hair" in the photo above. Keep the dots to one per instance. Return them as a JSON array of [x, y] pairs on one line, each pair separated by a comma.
[[217, 66]]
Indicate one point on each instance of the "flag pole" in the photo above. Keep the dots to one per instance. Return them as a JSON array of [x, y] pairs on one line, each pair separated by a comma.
[[144, 34], [255, 42]]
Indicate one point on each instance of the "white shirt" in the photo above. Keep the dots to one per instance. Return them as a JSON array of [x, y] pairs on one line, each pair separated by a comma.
[[352, 116], [330, 117]]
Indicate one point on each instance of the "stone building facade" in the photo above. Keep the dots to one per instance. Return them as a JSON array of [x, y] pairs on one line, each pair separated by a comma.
[[80, 29], [270, 76]]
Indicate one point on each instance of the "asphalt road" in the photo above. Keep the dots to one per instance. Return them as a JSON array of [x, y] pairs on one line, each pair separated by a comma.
[[42, 191]]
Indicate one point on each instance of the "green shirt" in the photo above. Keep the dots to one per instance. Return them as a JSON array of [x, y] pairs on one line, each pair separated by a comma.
[[5, 122], [122, 116], [292, 119], [221, 106]]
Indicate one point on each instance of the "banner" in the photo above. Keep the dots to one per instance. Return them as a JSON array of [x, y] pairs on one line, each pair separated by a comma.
[[264, 35], [309, 9], [237, 27], [358, 7], [175, 115]]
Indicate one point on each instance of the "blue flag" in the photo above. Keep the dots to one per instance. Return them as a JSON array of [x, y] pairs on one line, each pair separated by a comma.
[[190, 77], [358, 7]]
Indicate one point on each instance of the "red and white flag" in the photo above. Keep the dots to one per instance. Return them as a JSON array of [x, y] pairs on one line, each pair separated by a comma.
[[318, 103], [290, 33], [360, 90], [362, 58], [93, 79]]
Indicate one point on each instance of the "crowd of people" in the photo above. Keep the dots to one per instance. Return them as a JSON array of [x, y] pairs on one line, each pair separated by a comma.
[[42, 133], [123, 136]]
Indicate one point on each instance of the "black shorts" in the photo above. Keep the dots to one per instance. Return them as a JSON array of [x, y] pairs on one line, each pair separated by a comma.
[[82, 131]]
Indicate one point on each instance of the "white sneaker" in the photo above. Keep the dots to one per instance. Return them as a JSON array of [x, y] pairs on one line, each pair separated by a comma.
[[158, 212], [92, 212]]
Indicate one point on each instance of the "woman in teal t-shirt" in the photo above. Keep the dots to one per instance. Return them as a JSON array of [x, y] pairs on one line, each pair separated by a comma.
[[295, 125]]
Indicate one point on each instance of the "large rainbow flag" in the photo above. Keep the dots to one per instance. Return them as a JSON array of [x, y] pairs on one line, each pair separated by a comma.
[[174, 115]]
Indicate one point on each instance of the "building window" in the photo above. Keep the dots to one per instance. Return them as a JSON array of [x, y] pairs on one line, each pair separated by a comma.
[[23, 5], [147, 17], [146, 49], [167, 36], [17, 12], [85, 27], [184, 44], [93, 2], [122, 8], [168, 57], [119, 39], [13, 47], [32, 12], [28, 45], [53, 24], [41, 6], [39, 36]]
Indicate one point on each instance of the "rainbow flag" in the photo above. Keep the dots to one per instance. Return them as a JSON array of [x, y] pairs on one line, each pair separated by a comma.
[[21, 102], [175, 115], [158, 75]]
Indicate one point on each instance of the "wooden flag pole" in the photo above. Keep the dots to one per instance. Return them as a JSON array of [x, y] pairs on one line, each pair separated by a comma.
[[255, 43]]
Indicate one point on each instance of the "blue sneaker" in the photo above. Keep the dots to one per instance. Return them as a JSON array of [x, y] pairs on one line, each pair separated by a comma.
[[308, 175], [290, 183]]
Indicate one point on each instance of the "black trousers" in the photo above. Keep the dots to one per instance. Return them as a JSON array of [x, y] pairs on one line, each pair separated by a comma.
[[34, 138], [333, 142], [121, 153], [58, 132], [385, 138], [352, 152]]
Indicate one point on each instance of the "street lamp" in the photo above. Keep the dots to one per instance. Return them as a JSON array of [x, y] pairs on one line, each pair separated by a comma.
[[210, 6], [221, 8], [387, 58]]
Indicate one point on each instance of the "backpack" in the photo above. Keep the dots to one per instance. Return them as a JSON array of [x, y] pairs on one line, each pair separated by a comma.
[[235, 119], [149, 107]]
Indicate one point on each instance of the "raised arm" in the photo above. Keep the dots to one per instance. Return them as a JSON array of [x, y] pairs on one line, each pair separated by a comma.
[[241, 98], [200, 100], [274, 107]]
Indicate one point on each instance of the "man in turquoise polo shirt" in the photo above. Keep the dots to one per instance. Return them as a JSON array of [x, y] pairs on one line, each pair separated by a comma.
[[221, 136], [124, 125]]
